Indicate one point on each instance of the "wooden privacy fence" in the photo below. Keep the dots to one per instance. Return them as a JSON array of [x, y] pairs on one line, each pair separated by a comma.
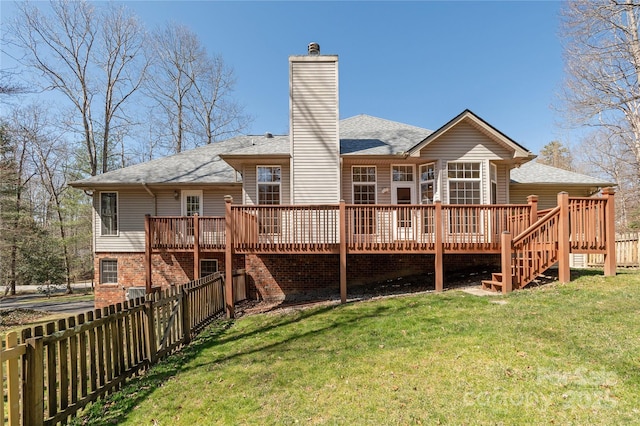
[[627, 251], [52, 371]]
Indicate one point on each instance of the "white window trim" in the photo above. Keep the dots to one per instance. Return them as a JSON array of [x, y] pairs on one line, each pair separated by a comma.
[[433, 181], [493, 173], [258, 183], [183, 200], [101, 272], [209, 260], [117, 234], [374, 184], [480, 179]]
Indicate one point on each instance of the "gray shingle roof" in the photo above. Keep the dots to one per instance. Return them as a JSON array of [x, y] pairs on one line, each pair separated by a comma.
[[199, 165], [367, 135], [536, 173], [359, 135]]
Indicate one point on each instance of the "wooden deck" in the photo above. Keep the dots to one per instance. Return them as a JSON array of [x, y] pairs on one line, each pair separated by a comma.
[[579, 225]]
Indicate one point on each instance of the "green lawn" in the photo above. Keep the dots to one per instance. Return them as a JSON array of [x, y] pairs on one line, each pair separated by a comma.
[[558, 354]]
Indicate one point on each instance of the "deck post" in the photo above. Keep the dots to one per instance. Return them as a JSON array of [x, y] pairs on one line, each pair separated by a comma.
[[564, 248], [610, 230], [196, 247], [147, 252], [439, 264], [506, 262], [343, 252], [228, 258], [532, 200]]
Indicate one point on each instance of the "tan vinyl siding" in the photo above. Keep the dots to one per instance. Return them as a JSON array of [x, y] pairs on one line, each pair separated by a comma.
[[383, 180], [132, 207], [314, 130], [213, 203], [465, 143], [503, 184], [250, 187], [547, 194]]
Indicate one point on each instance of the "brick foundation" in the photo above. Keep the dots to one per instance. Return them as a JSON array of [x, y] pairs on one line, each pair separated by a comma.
[[168, 269], [285, 277], [277, 277]]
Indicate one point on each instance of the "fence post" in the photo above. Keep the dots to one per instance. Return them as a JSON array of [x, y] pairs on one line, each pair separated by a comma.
[[610, 230], [506, 262], [228, 258], [196, 247], [564, 248], [439, 264], [13, 389], [33, 381], [150, 330], [532, 200], [147, 252], [343, 252], [186, 321]]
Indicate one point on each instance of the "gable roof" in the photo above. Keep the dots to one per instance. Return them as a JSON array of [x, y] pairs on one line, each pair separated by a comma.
[[534, 173], [519, 152]]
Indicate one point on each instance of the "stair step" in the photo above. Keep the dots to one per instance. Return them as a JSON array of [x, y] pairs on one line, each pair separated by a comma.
[[491, 285]]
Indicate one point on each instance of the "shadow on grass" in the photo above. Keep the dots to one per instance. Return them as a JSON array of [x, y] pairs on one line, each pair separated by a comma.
[[115, 408]]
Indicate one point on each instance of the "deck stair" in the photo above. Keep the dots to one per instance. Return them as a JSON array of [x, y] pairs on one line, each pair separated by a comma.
[[530, 254], [495, 283], [576, 224]]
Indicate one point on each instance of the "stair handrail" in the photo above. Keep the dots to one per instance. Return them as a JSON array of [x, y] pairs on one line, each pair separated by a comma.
[[551, 212], [521, 276]]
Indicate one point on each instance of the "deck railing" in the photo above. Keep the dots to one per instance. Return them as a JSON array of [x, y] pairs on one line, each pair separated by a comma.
[[290, 229], [369, 228], [587, 224], [176, 233]]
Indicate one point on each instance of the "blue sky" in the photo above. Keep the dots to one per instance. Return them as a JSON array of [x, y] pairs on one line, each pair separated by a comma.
[[419, 63]]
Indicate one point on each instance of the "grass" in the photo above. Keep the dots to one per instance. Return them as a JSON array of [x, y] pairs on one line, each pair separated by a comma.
[[561, 354]]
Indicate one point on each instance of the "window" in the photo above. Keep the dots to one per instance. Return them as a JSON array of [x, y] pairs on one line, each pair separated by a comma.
[[269, 180], [364, 192], [427, 193], [208, 267], [364, 184], [427, 183], [108, 271], [402, 173], [109, 213], [464, 188], [494, 183], [464, 183]]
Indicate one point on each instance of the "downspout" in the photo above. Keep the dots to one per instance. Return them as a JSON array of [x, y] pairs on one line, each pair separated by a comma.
[[155, 199]]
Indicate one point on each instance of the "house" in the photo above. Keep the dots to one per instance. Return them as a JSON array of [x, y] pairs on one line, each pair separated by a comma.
[[385, 198]]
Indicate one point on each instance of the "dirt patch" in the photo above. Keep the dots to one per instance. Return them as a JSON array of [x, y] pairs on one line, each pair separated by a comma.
[[12, 318]]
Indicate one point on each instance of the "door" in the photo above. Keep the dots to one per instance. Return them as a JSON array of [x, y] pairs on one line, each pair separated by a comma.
[[404, 195]]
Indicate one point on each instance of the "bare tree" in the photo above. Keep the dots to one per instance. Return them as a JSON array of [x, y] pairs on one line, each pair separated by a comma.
[[178, 55], [217, 114], [91, 58], [602, 53], [607, 155], [192, 90], [557, 155]]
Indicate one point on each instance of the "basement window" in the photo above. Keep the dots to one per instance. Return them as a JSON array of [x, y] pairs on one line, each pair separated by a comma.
[[109, 271]]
